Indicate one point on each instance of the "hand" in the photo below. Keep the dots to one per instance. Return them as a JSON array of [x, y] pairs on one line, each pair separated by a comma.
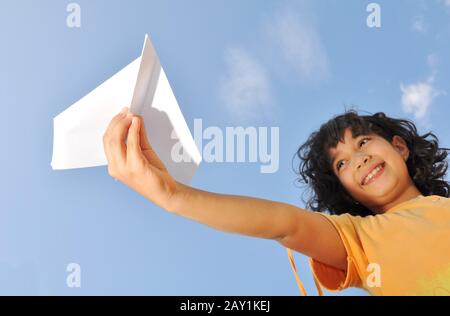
[[135, 163]]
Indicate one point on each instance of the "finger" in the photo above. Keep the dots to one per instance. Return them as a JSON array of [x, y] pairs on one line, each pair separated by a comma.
[[117, 118], [147, 149], [134, 150], [116, 144], [145, 144], [108, 132]]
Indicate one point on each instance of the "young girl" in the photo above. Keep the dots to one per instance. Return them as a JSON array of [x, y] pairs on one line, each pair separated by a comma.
[[382, 220]]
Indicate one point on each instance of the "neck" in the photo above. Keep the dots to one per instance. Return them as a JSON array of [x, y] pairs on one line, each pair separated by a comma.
[[410, 193]]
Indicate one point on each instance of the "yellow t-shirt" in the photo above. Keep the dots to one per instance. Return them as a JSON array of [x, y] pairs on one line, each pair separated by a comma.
[[405, 251]]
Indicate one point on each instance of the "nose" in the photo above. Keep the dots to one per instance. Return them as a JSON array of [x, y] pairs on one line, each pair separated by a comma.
[[363, 161]]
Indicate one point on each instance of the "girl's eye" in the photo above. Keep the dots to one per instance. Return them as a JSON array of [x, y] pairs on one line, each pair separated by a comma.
[[362, 141], [339, 164]]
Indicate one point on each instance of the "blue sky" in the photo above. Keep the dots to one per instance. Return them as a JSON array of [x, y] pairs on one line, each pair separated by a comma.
[[289, 64]]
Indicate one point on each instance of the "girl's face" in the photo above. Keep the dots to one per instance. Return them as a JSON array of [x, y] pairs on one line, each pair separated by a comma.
[[371, 169]]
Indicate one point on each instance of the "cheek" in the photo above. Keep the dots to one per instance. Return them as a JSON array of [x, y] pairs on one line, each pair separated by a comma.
[[348, 182], [398, 167]]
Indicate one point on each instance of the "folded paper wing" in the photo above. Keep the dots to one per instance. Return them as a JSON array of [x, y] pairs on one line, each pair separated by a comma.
[[143, 86]]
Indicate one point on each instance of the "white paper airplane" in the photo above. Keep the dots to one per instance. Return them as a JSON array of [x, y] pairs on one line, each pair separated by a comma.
[[143, 86]]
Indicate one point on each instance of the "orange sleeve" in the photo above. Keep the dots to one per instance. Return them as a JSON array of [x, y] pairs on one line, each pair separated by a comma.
[[335, 279]]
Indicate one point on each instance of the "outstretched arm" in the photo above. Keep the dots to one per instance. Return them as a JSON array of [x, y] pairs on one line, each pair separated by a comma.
[[293, 227], [234, 213], [136, 164]]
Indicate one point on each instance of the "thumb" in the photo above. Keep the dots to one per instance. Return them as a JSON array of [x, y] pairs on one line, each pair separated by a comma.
[[134, 150], [145, 144], [146, 149]]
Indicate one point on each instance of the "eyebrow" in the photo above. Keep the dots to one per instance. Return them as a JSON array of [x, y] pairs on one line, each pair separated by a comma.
[[337, 154]]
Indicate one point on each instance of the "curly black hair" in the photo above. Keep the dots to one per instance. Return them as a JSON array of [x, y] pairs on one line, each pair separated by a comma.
[[426, 163]]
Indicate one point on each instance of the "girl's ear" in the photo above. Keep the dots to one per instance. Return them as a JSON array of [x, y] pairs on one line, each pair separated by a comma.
[[400, 146]]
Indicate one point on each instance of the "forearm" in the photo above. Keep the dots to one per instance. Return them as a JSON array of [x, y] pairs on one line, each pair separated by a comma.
[[235, 214]]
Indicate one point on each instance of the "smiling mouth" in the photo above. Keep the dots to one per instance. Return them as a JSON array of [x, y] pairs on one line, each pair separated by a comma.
[[373, 175]]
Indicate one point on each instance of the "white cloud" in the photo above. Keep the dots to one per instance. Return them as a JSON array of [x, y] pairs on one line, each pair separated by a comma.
[[246, 86], [417, 97], [419, 25], [445, 3], [293, 37], [300, 45]]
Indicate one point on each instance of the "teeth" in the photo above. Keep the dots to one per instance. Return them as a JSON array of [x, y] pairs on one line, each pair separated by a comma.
[[372, 174]]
